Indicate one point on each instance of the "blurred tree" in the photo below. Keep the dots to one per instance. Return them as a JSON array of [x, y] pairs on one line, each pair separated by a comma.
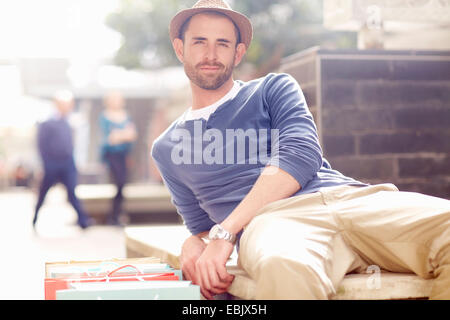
[[144, 28], [280, 28]]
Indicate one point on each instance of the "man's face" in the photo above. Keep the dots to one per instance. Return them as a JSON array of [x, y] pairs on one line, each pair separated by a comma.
[[209, 52], [64, 106]]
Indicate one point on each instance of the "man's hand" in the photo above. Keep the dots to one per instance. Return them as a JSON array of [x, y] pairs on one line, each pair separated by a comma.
[[190, 252], [211, 271]]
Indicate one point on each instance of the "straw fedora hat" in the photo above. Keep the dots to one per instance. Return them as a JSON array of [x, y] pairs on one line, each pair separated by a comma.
[[241, 21]]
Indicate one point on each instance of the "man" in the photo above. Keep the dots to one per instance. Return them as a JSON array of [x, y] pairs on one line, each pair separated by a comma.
[[55, 144], [299, 225]]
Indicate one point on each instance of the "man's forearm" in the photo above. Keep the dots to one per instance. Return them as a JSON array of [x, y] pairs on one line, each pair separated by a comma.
[[272, 185]]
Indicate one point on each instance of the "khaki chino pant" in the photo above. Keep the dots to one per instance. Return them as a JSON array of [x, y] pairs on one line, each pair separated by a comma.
[[302, 247]]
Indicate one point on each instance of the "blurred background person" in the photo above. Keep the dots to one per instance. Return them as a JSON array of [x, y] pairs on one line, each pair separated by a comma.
[[118, 135], [22, 176], [55, 144]]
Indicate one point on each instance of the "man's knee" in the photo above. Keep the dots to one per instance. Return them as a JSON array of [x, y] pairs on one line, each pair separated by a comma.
[[281, 268]]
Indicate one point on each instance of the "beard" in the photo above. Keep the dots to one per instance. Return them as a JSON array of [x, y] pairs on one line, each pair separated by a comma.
[[211, 81]]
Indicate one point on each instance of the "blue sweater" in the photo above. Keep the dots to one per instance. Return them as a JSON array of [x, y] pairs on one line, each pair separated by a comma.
[[55, 141], [207, 167]]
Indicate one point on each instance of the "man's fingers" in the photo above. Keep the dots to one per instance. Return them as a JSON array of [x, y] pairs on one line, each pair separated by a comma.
[[187, 275], [204, 273], [188, 269], [211, 279], [208, 295], [218, 291], [199, 275], [223, 280], [202, 282], [224, 276], [210, 269], [214, 280]]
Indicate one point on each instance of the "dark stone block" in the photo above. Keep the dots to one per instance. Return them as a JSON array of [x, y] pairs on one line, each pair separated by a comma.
[[338, 145], [355, 69], [339, 94], [392, 95], [363, 168], [421, 70], [420, 118], [356, 120], [423, 167], [405, 143]]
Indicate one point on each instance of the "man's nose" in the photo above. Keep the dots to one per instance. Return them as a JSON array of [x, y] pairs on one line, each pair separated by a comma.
[[211, 52]]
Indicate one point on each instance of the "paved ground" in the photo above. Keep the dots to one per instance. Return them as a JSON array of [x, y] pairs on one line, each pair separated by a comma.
[[23, 252]]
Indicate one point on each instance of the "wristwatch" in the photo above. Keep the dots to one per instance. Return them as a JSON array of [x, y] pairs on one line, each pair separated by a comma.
[[218, 232]]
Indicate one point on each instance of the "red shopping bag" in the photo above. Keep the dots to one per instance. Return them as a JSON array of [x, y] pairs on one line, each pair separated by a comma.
[[52, 285]]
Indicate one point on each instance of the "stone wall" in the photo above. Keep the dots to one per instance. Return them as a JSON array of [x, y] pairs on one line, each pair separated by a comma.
[[382, 116]]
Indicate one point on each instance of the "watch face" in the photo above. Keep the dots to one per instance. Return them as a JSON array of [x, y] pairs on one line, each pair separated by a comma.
[[213, 234], [216, 232]]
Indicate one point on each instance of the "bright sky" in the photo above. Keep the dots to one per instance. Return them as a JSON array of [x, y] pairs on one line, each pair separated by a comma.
[[72, 29], [56, 28]]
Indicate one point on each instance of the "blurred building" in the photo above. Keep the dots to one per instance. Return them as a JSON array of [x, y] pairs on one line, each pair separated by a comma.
[[392, 24], [18, 115], [40, 78]]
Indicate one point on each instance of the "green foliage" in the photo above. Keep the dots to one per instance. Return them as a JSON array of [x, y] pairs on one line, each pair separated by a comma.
[[144, 28], [286, 25]]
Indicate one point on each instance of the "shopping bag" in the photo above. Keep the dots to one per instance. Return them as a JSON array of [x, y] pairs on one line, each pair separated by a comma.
[[137, 290], [71, 268], [52, 285]]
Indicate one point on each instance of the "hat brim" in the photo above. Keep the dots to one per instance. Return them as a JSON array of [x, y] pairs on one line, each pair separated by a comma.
[[241, 21]]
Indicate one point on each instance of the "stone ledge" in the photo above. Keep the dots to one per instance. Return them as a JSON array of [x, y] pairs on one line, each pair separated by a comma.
[[138, 198]]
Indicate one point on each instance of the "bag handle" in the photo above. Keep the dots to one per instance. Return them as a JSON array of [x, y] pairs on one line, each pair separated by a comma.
[[138, 274], [123, 267]]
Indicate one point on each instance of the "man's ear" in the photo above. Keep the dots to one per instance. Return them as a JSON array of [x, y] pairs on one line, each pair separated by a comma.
[[178, 47], [240, 52]]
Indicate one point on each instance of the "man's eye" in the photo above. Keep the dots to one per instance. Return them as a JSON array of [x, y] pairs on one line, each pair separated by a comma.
[[223, 44]]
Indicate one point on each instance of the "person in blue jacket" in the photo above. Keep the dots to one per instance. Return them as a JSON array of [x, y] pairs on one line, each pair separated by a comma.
[[118, 135], [55, 144]]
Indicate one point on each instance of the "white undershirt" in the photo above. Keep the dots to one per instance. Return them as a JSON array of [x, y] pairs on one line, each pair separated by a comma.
[[205, 112]]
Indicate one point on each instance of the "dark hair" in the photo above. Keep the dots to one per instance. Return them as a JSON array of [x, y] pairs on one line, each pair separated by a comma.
[[185, 26]]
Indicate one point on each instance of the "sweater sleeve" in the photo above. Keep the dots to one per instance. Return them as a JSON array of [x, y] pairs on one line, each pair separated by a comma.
[[187, 205], [296, 148]]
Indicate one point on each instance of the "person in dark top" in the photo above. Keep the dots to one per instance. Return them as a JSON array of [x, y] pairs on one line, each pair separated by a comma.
[[118, 133], [55, 144]]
